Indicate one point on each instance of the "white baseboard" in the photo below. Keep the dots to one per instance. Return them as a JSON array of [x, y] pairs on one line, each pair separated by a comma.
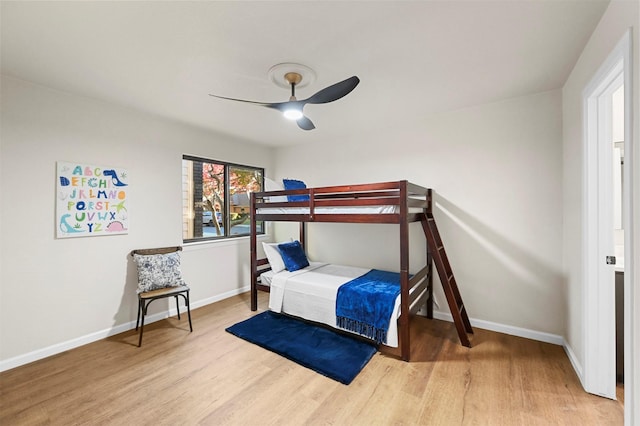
[[216, 298], [103, 334], [80, 341], [577, 367], [506, 329], [523, 332]]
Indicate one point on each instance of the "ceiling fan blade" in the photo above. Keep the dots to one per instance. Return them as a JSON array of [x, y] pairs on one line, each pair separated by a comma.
[[242, 100], [305, 124], [280, 106], [333, 92]]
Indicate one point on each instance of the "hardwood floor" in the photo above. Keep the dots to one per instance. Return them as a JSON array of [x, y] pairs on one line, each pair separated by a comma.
[[210, 377]]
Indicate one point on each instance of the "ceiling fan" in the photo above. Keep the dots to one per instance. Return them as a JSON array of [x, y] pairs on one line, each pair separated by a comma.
[[292, 109]]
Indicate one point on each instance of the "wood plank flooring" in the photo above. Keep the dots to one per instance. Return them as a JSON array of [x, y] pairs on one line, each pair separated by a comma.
[[210, 377]]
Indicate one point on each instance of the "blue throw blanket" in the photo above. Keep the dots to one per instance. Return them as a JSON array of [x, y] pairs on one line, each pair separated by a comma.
[[364, 305]]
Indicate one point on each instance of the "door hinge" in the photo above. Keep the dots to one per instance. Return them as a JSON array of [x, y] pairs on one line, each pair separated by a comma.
[[611, 260]]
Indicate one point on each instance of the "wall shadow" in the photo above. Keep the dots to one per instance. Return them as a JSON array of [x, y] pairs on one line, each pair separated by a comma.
[[124, 318], [535, 288]]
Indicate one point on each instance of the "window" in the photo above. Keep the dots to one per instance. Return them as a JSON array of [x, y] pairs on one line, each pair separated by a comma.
[[215, 198]]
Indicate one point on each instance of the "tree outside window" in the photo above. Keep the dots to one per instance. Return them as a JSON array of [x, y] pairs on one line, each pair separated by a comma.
[[216, 198]]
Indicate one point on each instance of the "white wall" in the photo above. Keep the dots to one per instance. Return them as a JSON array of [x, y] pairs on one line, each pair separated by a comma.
[[496, 170], [619, 16], [55, 293]]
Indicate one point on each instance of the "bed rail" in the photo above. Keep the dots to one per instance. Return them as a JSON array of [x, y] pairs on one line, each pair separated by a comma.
[[316, 209]]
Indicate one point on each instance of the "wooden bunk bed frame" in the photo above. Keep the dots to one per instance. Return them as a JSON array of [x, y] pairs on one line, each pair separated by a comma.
[[413, 204]]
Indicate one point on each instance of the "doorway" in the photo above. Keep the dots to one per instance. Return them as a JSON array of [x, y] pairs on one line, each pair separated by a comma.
[[600, 217]]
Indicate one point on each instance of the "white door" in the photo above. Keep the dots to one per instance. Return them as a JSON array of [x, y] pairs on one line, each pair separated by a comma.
[[598, 227], [599, 254]]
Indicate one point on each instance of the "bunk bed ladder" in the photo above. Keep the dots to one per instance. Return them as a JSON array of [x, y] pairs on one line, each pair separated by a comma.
[[458, 311]]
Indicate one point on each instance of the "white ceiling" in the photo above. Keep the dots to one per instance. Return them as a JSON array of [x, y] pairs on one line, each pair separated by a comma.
[[413, 58]]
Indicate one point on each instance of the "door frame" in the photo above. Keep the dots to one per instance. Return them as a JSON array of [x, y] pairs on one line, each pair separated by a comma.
[[599, 295]]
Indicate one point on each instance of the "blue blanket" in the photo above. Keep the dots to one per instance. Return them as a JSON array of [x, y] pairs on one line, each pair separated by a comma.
[[364, 305]]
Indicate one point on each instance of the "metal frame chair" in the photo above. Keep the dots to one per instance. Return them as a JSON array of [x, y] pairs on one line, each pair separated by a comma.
[[145, 298]]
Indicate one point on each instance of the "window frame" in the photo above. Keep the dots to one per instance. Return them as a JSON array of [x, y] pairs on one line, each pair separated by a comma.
[[227, 197]]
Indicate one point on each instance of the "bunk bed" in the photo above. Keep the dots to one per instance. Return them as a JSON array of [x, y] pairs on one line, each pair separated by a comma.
[[399, 202]]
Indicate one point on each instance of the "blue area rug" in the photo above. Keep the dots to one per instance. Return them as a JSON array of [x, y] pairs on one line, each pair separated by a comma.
[[327, 352]]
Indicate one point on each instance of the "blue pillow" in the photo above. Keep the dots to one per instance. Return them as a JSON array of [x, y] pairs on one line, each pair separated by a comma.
[[293, 256], [295, 184]]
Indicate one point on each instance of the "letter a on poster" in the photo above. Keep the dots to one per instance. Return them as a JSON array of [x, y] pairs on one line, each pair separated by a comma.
[[91, 200]]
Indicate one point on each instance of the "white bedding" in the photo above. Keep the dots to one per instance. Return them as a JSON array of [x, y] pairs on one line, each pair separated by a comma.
[[311, 292]]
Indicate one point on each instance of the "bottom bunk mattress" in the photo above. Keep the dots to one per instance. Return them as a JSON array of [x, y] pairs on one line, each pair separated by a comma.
[[311, 293]]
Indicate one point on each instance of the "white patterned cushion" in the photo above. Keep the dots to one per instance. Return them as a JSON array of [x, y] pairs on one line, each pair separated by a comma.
[[158, 271]]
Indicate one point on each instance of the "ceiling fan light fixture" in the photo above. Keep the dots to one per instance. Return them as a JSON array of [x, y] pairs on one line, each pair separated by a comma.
[[295, 75], [292, 114]]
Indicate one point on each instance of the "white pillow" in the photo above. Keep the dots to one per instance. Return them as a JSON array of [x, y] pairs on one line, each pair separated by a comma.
[[275, 186], [273, 255], [277, 199]]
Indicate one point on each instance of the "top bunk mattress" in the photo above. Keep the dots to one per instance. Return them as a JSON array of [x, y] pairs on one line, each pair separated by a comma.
[[332, 210]]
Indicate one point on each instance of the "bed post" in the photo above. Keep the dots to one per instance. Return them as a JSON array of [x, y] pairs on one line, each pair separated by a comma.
[[254, 254], [303, 236], [429, 210], [405, 346]]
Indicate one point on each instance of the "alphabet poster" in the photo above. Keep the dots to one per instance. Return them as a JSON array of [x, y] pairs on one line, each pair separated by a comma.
[[91, 200]]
